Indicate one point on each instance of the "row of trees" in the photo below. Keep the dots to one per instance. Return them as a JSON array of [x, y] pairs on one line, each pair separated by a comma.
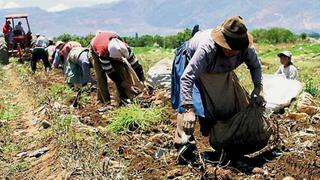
[[170, 41], [276, 35], [272, 35]]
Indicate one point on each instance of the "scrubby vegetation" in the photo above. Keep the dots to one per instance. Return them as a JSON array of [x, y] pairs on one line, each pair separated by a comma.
[[274, 35], [134, 117]]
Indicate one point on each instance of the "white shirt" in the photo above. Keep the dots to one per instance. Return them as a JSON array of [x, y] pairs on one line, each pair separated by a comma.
[[117, 49], [41, 42], [289, 72]]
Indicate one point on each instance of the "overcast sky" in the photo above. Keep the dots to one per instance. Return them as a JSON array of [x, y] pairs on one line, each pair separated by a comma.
[[50, 5]]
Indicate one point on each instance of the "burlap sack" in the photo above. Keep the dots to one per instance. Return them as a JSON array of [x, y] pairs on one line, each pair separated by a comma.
[[223, 97], [235, 126], [129, 75], [246, 132]]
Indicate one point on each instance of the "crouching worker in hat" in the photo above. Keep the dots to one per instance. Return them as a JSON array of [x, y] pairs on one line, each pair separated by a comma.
[[62, 52], [114, 59], [77, 67], [287, 70], [214, 55]]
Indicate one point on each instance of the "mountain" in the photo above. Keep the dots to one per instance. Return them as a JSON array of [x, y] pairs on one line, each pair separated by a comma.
[[169, 16]]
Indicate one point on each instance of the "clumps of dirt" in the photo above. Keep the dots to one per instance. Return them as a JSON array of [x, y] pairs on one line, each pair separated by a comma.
[[136, 155], [299, 165]]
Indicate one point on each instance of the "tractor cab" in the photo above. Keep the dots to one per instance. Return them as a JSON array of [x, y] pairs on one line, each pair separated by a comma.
[[20, 35]]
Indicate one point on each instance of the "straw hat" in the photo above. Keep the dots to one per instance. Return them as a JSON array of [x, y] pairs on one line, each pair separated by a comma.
[[232, 34]]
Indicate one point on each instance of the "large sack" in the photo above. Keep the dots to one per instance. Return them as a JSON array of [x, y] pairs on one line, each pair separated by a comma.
[[278, 91], [223, 98], [4, 56], [127, 73], [223, 95], [246, 132], [159, 75]]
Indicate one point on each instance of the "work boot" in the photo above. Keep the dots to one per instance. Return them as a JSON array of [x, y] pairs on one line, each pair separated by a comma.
[[124, 100]]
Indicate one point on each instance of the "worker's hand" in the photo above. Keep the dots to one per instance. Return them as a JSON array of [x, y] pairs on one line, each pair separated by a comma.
[[189, 121], [127, 86], [256, 96], [148, 87], [256, 92]]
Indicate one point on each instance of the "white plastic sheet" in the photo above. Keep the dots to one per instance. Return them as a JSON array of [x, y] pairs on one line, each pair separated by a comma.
[[279, 91]]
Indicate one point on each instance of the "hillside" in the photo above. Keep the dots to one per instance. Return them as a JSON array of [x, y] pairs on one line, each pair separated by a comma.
[[170, 16]]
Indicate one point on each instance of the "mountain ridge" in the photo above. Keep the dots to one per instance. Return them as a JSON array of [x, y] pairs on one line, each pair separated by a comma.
[[170, 16]]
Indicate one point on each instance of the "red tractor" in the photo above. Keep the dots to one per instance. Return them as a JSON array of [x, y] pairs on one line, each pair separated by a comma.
[[18, 41]]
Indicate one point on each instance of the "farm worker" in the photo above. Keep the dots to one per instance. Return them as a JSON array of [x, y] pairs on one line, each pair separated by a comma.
[[51, 48], [7, 31], [39, 52], [113, 58], [215, 53], [19, 28], [287, 69], [41, 41], [62, 54], [6, 27], [77, 67], [56, 55]]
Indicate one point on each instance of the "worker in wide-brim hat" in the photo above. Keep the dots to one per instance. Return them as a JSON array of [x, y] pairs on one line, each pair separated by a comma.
[[215, 53], [287, 69]]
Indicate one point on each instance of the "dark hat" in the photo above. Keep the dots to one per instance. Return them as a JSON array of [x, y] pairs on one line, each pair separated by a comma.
[[232, 34]]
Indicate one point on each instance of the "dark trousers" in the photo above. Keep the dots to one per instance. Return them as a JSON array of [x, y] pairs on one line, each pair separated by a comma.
[[39, 53]]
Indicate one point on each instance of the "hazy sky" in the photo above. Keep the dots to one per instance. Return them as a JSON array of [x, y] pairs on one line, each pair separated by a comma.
[[50, 5]]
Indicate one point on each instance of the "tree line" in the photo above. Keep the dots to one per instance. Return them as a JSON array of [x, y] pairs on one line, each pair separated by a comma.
[[271, 36]]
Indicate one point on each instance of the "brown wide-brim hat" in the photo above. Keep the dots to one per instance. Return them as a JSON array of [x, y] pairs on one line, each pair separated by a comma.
[[232, 34]]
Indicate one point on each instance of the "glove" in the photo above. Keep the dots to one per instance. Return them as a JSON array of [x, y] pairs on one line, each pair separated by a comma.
[[256, 97], [189, 121]]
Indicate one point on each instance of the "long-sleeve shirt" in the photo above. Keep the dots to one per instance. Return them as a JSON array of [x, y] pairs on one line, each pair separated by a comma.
[[67, 48], [103, 43], [57, 59], [41, 42], [208, 58], [80, 57], [109, 46], [6, 28], [19, 28], [289, 72], [50, 49]]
